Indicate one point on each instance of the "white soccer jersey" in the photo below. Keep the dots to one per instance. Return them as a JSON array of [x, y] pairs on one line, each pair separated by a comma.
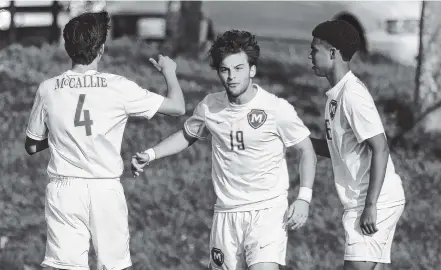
[[84, 116], [351, 117], [249, 169]]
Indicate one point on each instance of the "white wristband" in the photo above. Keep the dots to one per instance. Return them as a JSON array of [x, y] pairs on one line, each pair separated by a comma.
[[305, 194], [151, 153]]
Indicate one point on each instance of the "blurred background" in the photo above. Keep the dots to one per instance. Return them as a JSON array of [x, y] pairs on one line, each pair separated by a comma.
[[171, 204]]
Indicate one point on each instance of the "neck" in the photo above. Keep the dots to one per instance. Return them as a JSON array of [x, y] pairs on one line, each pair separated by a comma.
[[83, 68], [337, 73], [245, 97]]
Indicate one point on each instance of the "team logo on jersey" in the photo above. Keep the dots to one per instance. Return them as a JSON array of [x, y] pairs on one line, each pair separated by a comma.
[[332, 108], [217, 256], [256, 118]]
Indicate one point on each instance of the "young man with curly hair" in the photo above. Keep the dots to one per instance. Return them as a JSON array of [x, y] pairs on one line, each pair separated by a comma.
[[80, 115], [251, 130], [367, 184]]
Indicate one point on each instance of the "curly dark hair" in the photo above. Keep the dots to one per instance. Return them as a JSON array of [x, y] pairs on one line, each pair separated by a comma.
[[83, 36], [231, 42], [341, 35]]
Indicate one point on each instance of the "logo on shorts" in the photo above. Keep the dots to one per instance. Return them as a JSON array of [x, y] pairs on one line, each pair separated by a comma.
[[256, 118], [332, 108], [217, 256]]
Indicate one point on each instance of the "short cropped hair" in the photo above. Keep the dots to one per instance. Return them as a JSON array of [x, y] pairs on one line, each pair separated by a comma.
[[231, 42], [84, 34], [341, 35]]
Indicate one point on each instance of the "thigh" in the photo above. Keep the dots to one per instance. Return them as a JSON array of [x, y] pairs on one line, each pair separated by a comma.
[[226, 242], [266, 239], [358, 265], [67, 218], [109, 224]]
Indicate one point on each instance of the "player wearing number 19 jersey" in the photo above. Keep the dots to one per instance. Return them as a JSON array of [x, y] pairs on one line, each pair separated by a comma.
[[251, 130], [80, 116]]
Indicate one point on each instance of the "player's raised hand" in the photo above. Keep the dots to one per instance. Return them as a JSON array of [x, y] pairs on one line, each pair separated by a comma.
[[164, 64], [298, 213]]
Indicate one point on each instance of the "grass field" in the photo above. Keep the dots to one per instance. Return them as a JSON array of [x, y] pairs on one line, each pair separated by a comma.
[[171, 204]]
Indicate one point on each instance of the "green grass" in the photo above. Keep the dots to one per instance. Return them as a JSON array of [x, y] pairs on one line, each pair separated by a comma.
[[171, 204]]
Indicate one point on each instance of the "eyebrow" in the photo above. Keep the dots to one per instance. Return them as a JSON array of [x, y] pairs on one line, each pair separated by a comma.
[[234, 66]]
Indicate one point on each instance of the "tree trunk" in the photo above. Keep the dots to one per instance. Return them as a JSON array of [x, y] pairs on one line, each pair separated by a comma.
[[428, 75], [183, 28]]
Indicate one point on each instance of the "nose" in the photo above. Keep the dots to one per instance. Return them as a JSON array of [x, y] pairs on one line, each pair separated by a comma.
[[310, 56], [231, 75]]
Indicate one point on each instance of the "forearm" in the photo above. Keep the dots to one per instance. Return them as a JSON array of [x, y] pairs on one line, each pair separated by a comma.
[[174, 91], [376, 177], [307, 169], [321, 147], [172, 145]]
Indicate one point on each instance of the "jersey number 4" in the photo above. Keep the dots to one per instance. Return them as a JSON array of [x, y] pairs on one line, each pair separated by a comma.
[[238, 138], [87, 123]]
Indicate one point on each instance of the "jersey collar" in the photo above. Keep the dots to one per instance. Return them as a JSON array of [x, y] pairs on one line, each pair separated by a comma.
[[88, 72], [339, 85]]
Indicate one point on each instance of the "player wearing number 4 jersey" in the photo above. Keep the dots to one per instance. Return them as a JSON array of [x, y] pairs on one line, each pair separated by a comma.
[[367, 184], [251, 130], [80, 116]]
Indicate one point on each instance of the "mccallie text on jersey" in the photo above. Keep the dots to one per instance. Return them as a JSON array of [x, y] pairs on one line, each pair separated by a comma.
[[81, 81]]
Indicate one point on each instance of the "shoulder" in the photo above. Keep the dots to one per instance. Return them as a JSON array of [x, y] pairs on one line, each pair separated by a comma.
[[355, 91], [213, 98], [110, 77]]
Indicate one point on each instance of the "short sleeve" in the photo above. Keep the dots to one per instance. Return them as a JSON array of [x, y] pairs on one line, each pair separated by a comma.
[[361, 113], [140, 102], [289, 126], [37, 128], [195, 125]]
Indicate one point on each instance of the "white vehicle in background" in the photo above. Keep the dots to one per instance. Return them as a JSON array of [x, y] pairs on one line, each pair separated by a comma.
[[390, 28]]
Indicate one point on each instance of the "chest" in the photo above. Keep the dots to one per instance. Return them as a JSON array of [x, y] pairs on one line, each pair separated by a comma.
[[241, 130]]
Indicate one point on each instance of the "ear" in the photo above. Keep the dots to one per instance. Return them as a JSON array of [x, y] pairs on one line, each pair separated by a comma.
[[332, 51], [101, 51], [252, 71]]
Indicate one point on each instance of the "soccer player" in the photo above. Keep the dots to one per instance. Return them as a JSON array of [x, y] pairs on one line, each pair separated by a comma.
[[251, 130], [367, 184], [80, 115]]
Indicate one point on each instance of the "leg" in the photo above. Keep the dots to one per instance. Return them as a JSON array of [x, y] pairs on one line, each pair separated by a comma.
[[226, 242], [380, 266], [354, 265], [67, 217], [267, 251], [264, 266], [109, 224]]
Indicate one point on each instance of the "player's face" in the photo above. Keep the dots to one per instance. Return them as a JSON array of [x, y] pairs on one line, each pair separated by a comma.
[[321, 59], [236, 73]]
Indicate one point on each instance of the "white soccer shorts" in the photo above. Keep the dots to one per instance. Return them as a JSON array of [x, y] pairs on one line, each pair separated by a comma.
[[372, 248], [241, 239], [77, 210]]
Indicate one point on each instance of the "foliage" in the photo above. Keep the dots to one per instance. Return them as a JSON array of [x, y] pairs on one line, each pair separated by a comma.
[[171, 204]]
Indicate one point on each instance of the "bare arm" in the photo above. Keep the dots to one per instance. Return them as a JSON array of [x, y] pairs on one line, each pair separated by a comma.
[[33, 146], [308, 162], [321, 147], [174, 102], [173, 144], [380, 156]]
